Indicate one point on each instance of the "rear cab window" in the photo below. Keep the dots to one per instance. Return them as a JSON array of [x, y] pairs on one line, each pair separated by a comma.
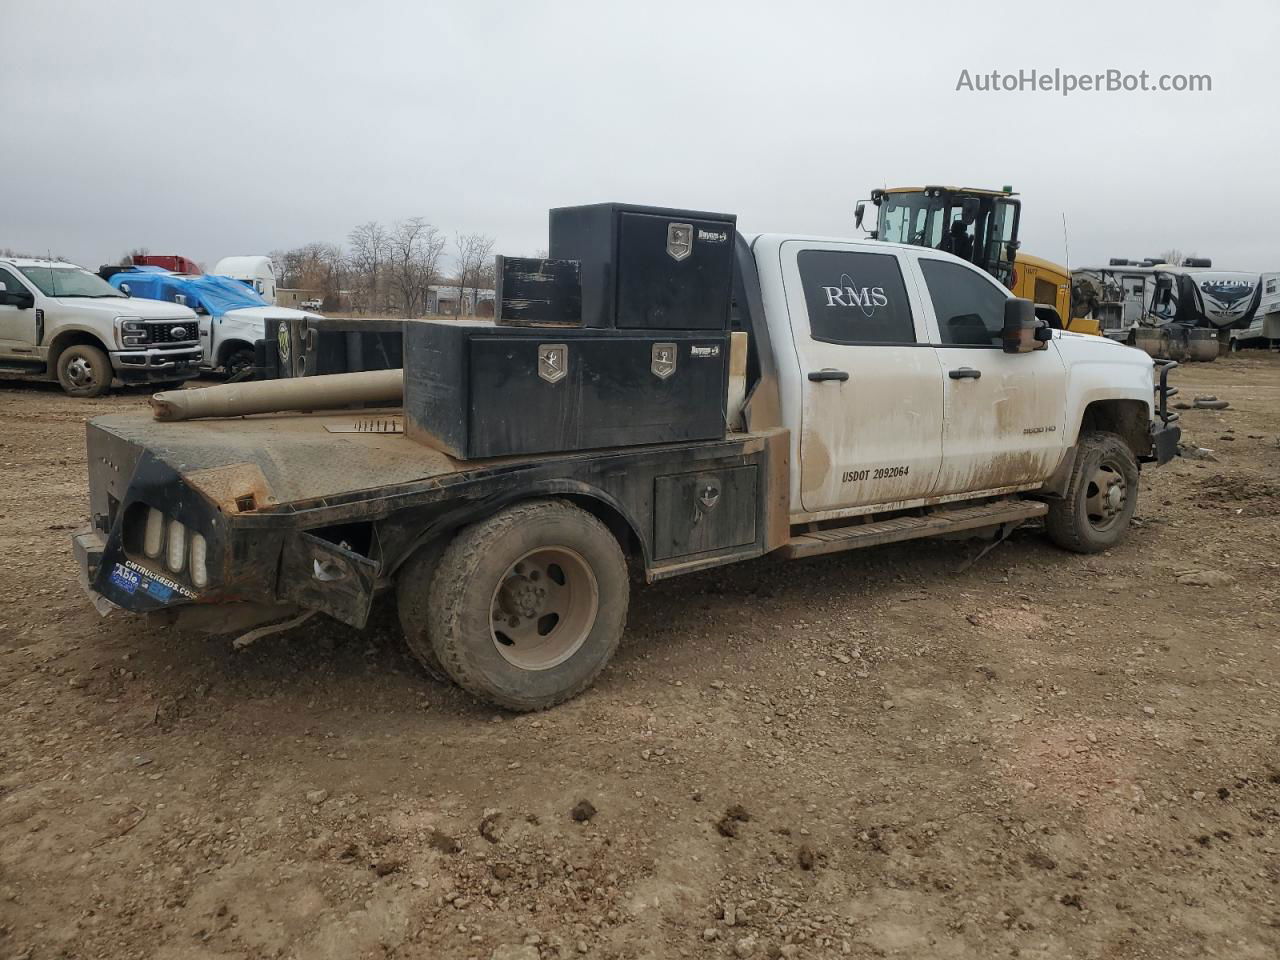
[[855, 298], [12, 284], [969, 305]]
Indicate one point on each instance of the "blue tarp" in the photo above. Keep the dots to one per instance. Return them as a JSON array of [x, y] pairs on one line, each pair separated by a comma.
[[212, 294]]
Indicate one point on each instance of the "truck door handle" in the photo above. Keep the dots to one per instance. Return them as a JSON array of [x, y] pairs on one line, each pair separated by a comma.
[[964, 373], [817, 376]]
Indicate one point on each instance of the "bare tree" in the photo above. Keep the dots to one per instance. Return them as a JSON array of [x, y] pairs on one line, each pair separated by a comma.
[[415, 249], [127, 259], [369, 251], [473, 263], [1173, 255]]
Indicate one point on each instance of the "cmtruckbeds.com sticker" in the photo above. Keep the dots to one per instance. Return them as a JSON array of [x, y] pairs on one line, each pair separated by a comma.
[[131, 577]]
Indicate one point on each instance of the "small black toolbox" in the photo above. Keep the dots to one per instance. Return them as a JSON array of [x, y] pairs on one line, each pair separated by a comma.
[[474, 389], [648, 268]]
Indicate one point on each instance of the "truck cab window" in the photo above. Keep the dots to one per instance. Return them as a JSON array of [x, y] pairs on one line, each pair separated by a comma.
[[855, 298], [968, 305], [10, 282]]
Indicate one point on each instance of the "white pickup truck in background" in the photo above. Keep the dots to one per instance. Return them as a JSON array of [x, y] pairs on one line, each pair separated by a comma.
[[61, 322], [892, 392]]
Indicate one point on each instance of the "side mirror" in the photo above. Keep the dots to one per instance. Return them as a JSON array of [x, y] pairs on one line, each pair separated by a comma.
[[124, 288], [17, 298], [1021, 332], [858, 213]]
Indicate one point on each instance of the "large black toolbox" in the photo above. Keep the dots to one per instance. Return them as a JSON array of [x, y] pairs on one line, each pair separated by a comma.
[[648, 268], [474, 389], [309, 346]]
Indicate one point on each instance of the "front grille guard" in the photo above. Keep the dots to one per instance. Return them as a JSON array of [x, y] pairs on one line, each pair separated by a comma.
[[1164, 392]]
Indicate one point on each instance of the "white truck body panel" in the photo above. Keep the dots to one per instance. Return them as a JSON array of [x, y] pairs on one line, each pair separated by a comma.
[[899, 430]]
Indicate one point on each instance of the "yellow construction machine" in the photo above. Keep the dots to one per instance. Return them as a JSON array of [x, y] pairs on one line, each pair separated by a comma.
[[980, 226]]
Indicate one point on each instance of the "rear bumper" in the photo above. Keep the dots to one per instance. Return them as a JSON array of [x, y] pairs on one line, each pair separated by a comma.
[[87, 546], [155, 363]]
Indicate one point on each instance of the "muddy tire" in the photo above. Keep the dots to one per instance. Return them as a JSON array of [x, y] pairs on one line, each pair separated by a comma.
[[84, 371], [1094, 513], [413, 598], [239, 365], [528, 606]]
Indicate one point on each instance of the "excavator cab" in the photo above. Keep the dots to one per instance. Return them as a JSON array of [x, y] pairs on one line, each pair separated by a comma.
[[977, 225]]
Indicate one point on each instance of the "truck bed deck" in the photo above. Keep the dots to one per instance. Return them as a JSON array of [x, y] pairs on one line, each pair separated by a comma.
[[301, 456]]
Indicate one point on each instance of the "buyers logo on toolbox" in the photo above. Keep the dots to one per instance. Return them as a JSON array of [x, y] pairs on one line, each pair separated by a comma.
[[679, 240]]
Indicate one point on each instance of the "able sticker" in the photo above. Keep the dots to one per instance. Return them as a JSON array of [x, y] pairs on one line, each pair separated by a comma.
[[124, 578]]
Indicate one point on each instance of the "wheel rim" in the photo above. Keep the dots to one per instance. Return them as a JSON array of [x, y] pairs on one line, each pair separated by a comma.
[[1106, 495], [543, 608], [80, 372]]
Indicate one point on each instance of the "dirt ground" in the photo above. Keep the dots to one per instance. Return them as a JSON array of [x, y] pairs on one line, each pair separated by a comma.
[[1045, 756]]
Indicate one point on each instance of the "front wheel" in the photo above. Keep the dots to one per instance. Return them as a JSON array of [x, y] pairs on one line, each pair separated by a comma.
[[84, 371], [1101, 498], [239, 365], [528, 606]]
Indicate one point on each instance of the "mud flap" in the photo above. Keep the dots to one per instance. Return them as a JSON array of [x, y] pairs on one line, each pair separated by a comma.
[[319, 575]]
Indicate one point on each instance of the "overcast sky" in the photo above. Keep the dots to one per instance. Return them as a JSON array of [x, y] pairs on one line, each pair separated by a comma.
[[254, 126]]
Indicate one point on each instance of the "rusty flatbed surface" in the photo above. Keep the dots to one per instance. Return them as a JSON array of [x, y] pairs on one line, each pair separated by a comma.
[[293, 454], [291, 457]]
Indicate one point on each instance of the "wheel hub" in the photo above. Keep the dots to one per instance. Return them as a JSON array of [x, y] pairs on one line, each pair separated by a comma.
[[544, 607], [1106, 495], [79, 372]]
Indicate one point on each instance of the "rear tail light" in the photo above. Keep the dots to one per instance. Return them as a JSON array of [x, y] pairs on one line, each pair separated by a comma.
[[199, 555], [176, 552], [153, 535]]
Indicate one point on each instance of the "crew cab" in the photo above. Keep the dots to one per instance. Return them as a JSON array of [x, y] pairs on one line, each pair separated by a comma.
[[60, 322], [876, 392], [232, 314]]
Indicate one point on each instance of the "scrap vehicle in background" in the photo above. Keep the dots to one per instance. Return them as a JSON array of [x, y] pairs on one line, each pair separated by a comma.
[[232, 315], [980, 226], [663, 395], [60, 322], [256, 272], [1176, 311], [1264, 329]]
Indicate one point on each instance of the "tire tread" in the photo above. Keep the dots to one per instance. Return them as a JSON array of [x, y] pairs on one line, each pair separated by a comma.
[[458, 566]]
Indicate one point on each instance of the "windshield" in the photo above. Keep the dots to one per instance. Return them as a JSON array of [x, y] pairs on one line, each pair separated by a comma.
[[69, 281], [911, 218]]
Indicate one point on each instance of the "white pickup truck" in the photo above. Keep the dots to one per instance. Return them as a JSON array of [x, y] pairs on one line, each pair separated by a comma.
[[891, 392], [232, 314], [61, 322]]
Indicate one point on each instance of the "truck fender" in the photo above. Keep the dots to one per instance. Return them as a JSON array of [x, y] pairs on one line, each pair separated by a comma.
[[1092, 384], [228, 347], [70, 334], [604, 506]]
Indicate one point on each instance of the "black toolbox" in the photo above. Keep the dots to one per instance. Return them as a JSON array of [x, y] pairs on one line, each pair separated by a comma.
[[475, 389], [648, 268]]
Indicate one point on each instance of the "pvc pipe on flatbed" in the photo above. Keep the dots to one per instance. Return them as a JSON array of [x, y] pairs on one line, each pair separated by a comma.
[[326, 392]]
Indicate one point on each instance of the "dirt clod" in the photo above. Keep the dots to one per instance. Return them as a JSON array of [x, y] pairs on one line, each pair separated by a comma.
[[727, 825], [439, 840], [583, 811]]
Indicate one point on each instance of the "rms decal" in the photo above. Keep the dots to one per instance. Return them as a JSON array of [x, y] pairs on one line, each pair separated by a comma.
[[853, 294], [853, 297]]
